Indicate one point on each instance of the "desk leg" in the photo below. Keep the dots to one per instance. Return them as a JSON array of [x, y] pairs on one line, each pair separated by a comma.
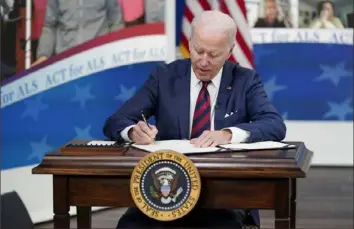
[[61, 202], [282, 206], [293, 204], [83, 217]]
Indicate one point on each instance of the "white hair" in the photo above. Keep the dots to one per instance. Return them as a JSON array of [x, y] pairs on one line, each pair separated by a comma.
[[215, 22]]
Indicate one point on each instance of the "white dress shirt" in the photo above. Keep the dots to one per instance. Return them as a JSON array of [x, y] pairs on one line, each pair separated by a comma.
[[238, 135]]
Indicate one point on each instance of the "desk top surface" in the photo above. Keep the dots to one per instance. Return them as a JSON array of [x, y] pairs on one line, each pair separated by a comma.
[[120, 161]]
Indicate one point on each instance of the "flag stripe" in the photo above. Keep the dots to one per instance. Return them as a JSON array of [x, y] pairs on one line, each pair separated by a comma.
[[242, 26], [247, 52], [242, 6], [205, 4], [186, 26], [239, 38], [194, 7], [188, 14], [240, 56]]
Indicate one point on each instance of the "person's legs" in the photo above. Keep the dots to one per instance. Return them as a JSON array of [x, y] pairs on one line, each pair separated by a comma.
[[197, 218], [215, 218], [134, 218]]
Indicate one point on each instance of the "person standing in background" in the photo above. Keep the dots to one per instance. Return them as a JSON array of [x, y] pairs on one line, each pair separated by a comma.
[[270, 19], [69, 23]]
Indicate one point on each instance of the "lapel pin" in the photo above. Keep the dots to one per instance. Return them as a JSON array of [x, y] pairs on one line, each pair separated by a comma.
[[228, 88]]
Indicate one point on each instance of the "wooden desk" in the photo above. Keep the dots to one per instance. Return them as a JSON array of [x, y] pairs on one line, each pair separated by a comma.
[[255, 180]]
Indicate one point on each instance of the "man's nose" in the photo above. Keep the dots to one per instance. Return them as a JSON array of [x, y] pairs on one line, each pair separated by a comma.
[[204, 61]]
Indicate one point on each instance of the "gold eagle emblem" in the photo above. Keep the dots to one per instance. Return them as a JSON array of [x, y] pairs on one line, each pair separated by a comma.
[[165, 182]]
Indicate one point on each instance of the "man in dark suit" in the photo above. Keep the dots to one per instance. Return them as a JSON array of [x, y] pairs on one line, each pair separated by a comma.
[[206, 99]]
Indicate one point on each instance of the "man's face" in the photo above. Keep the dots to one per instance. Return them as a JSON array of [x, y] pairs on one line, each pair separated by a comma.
[[208, 52]]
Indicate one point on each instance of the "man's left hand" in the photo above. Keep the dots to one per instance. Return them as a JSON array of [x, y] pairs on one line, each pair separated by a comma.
[[212, 138]]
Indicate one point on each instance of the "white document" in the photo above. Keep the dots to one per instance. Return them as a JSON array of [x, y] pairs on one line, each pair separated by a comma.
[[258, 145], [181, 146], [100, 143]]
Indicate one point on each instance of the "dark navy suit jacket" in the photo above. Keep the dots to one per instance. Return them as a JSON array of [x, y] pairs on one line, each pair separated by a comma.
[[166, 95]]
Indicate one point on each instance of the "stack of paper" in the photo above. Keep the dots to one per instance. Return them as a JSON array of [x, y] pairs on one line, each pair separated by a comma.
[[185, 147], [258, 146], [182, 146], [100, 143]]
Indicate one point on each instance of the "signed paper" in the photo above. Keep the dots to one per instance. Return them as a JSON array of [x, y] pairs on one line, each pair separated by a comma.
[[258, 145], [182, 146]]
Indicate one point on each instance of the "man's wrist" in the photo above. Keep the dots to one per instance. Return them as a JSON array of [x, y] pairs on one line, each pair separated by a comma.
[[238, 135], [228, 134], [125, 133]]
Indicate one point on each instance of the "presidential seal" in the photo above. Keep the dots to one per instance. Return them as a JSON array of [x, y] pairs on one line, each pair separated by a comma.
[[165, 185]]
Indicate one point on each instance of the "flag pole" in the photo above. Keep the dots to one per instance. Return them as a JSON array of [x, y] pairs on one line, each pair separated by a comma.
[[170, 29], [28, 34]]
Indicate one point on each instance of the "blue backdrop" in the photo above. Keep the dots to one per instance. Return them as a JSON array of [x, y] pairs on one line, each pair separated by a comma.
[[77, 109], [305, 81], [308, 81]]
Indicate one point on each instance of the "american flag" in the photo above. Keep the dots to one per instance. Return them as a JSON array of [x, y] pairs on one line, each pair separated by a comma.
[[242, 52]]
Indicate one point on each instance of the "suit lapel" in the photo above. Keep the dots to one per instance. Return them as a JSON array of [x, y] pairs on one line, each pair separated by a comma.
[[225, 91], [183, 99]]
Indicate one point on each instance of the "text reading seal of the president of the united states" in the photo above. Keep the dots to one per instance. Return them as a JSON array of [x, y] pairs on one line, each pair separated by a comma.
[[165, 185]]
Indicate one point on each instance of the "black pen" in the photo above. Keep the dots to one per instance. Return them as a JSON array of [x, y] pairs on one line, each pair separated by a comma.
[[143, 116]]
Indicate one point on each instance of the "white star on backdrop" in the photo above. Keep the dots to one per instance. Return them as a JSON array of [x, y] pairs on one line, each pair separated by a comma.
[[125, 93], [339, 110], [34, 107], [271, 87], [82, 95], [83, 134], [39, 149], [334, 73]]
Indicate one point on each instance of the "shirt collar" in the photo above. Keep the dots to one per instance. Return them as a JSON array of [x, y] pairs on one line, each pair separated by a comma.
[[215, 81]]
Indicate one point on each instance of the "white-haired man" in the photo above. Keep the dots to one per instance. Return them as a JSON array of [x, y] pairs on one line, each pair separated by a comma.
[[206, 99]]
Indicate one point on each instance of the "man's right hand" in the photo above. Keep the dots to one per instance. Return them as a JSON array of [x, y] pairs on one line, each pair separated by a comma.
[[142, 134]]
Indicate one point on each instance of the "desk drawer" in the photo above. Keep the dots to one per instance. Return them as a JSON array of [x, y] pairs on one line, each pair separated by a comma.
[[238, 193]]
